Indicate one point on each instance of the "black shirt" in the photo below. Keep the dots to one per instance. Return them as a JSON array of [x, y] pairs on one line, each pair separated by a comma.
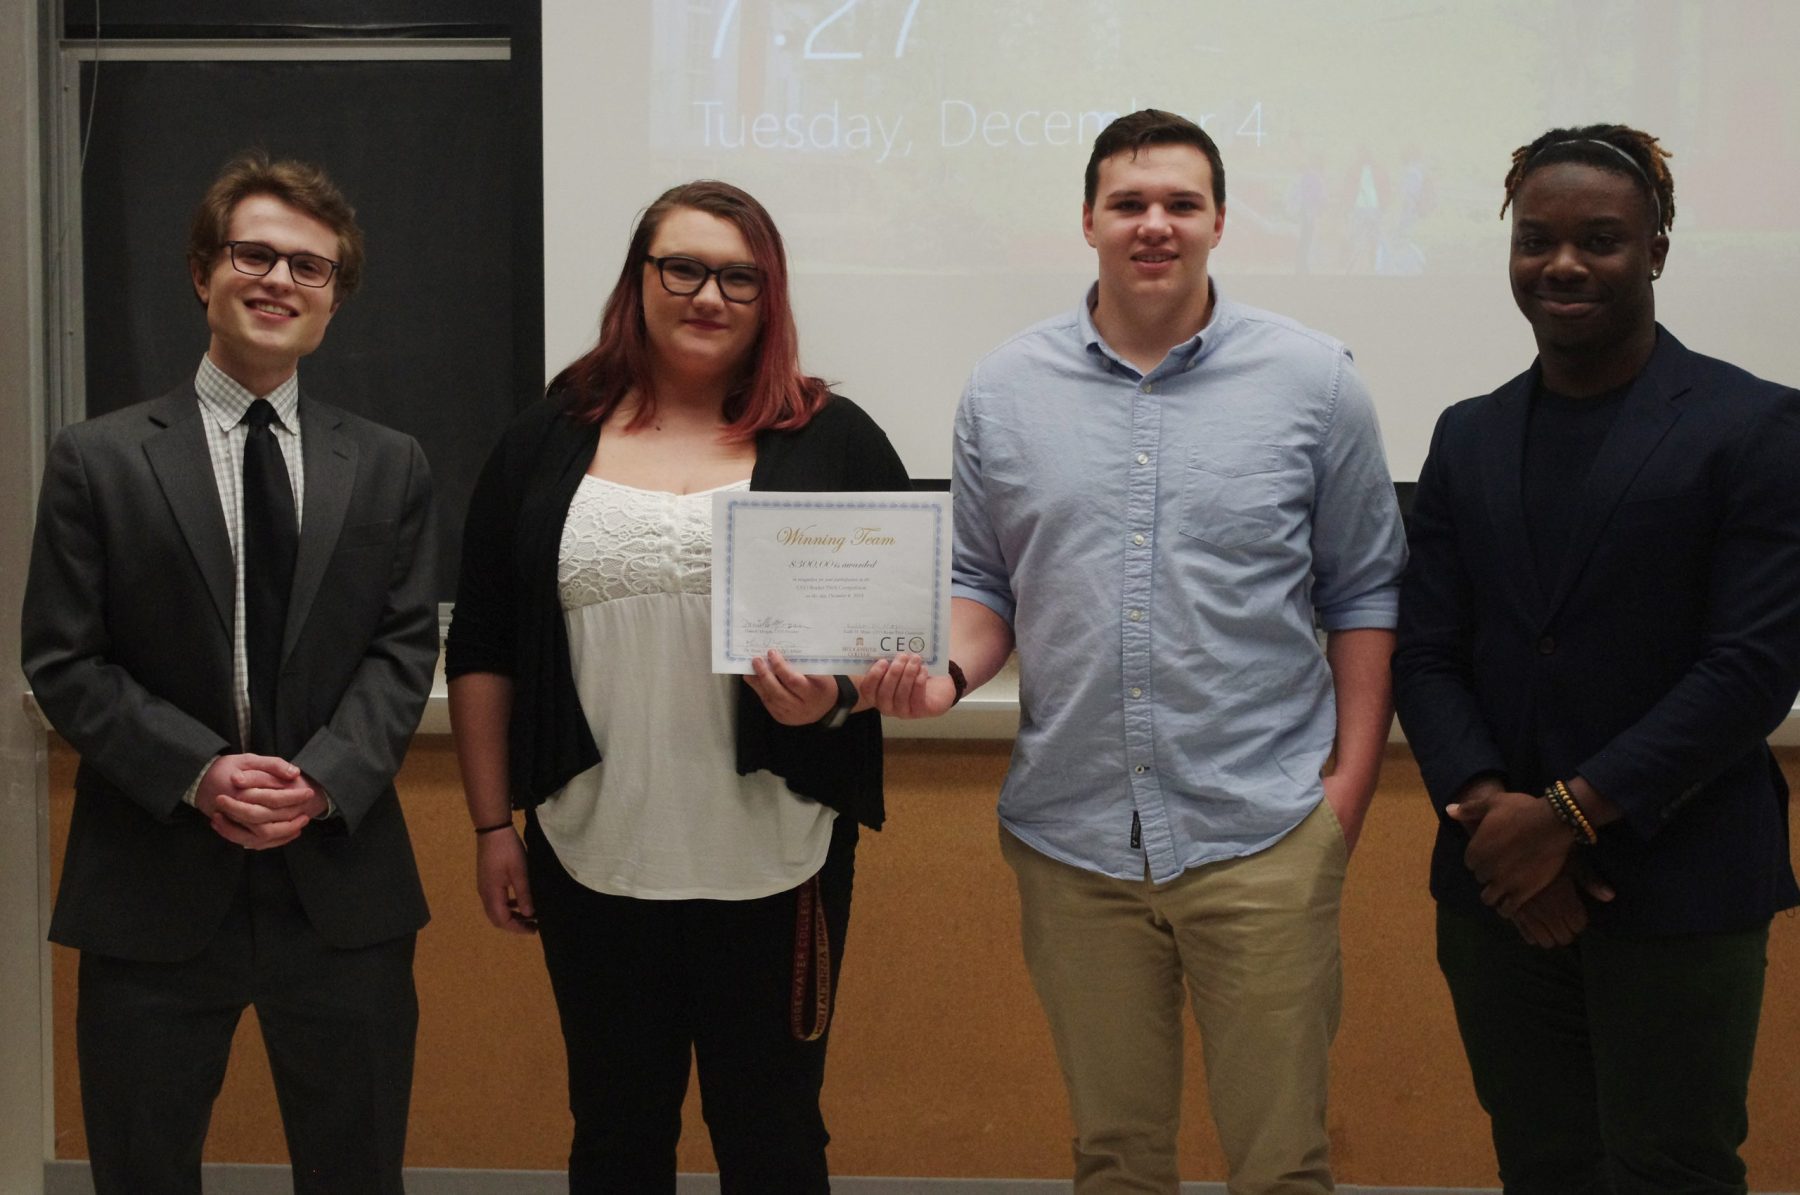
[[1562, 437]]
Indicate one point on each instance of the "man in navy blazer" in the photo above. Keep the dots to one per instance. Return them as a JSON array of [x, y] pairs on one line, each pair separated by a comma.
[[1599, 628], [236, 839]]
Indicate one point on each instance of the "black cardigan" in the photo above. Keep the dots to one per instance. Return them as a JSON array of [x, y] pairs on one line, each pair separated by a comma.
[[508, 617]]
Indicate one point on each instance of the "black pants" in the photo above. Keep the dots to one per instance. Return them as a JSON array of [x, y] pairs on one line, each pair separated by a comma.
[[641, 983], [152, 1040], [1613, 1066]]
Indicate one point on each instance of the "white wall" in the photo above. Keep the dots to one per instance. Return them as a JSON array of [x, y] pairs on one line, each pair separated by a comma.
[[24, 868]]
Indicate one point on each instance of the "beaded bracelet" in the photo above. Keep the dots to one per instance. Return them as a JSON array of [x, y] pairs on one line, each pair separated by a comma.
[[1562, 814], [1568, 810], [1588, 833]]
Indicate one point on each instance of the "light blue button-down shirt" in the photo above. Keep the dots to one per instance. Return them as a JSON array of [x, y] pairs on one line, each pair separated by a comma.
[[1159, 543]]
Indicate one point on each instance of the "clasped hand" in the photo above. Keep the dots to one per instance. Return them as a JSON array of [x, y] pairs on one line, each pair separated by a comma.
[[1521, 852], [1517, 845], [1557, 915], [258, 801]]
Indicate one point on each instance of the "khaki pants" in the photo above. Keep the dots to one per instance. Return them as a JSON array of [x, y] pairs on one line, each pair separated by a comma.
[[1256, 940]]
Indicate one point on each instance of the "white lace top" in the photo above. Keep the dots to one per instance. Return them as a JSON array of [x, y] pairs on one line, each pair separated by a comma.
[[664, 815]]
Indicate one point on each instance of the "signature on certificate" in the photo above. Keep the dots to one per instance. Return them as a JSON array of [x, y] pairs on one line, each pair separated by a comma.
[[771, 625]]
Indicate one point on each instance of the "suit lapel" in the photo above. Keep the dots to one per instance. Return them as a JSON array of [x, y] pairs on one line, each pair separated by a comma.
[[1646, 416], [1503, 473], [330, 464], [184, 470]]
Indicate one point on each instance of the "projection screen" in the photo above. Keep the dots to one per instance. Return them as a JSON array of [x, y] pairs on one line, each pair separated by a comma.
[[924, 160]]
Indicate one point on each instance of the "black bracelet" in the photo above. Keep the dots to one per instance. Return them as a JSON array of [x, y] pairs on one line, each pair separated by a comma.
[[840, 712], [505, 825], [959, 680]]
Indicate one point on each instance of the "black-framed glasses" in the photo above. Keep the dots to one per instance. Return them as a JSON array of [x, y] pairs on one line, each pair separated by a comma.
[[257, 259], [685, 276]]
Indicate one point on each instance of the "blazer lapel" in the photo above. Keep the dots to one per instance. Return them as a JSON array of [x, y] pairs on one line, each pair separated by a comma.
[[1645, 417], [184, 470], [330, 464], [1503, 473]]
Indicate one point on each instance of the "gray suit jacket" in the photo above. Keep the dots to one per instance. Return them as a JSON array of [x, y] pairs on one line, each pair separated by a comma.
[[127, 643]]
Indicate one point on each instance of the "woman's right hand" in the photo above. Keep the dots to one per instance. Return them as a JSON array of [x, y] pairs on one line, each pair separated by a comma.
[[501, 880], [901, 688]]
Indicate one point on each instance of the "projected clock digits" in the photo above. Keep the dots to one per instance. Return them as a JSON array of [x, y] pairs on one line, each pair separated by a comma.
[[826, 38]]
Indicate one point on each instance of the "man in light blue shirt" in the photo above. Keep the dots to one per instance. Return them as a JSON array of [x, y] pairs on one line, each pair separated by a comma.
[[1155, 495]]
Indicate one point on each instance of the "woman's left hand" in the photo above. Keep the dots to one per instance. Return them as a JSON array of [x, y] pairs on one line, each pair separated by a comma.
[[792, 697]]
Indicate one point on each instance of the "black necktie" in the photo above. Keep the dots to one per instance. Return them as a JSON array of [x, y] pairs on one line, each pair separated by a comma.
[[271, 541]]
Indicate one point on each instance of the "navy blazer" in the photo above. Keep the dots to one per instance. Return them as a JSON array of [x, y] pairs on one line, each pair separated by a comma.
[[1667, 651]]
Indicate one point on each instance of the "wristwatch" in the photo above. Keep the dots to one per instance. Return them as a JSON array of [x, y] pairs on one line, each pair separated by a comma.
[[838, 714]]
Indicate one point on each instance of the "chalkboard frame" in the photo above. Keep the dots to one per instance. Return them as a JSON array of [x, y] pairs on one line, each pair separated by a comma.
[[456, 440]]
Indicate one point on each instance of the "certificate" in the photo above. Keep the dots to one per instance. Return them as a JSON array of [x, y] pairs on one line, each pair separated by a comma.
[[832, 581]]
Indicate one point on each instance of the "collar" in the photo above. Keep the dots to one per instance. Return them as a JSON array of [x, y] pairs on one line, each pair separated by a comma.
[[1180, 357], [225, 400]]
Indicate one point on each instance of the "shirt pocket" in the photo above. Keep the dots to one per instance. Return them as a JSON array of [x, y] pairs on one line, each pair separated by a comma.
[[1232, 495]]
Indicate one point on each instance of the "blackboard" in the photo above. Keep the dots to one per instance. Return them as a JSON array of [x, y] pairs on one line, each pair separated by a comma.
[[441, 159]]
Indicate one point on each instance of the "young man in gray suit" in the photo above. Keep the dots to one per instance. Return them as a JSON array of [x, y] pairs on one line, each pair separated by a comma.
[[230, 617]]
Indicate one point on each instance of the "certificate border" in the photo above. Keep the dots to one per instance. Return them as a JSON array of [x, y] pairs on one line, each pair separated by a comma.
[[937, 566]]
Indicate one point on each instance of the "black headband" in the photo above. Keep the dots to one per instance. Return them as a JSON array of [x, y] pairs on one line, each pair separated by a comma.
[[1636, 167]]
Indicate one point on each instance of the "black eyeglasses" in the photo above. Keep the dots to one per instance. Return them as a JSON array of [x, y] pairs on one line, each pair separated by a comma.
[[685, 276], [257, 259]]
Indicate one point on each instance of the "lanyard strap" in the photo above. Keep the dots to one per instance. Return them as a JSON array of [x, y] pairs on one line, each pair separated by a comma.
[[812, 958]]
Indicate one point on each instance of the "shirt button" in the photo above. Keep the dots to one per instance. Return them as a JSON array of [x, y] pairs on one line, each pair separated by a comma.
[[1546, 646], [1136, 692], [1134, 615], [1149, 388], [1139, 769], [1138, 539], [1143, 458]]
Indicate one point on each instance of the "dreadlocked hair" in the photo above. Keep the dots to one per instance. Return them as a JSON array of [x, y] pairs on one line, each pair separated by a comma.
[[1644, 161]]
